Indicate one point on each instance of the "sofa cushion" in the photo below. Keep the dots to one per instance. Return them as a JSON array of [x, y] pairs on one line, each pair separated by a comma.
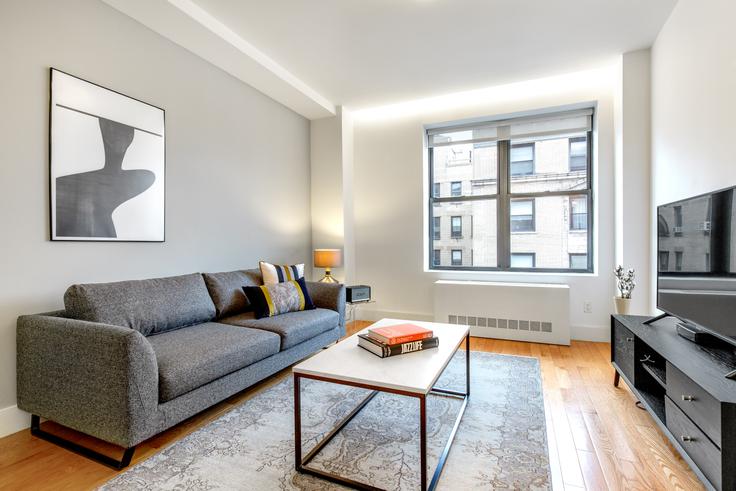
[[226, 290], [294, 327], [193, 356], [279, 298], [148, 306]]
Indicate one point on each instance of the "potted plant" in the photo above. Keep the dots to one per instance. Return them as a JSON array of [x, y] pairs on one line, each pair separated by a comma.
[[625, 283]]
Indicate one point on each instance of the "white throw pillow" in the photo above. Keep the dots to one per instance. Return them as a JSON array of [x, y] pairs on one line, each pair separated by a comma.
[[279, 273]]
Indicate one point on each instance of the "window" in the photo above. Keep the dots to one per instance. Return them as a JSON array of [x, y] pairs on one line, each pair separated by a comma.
[[457, 257], [578, 213], [523, 260], [678, 260], [664, 260], [578, 261], [678, 221], [436, 228], [522, 159], [457, 227], [522, 198], [522, 215], [578, 154], [436, 257], [436, 190]]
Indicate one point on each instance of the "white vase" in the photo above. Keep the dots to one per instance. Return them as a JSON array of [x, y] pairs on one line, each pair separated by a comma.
[[622, 305]]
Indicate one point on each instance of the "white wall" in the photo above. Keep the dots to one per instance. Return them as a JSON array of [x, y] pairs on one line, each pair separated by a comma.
[[390, 206], [237, 186], [331, 144], [633, 167], [693, 103]]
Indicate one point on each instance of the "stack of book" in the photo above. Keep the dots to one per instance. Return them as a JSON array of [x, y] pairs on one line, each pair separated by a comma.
[[397, 340]]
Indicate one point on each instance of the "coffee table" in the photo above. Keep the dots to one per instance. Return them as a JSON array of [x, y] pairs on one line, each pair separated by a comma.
[[411, 375]]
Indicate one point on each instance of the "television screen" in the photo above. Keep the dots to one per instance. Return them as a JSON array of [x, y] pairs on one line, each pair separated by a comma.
[[696, 256]]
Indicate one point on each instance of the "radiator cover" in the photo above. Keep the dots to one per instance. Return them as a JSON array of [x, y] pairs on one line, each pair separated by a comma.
[[534, 312]]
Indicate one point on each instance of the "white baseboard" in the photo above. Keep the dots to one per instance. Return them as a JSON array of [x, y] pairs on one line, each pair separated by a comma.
[[577, 333], [591, 333], [12, 420], [377, 315]]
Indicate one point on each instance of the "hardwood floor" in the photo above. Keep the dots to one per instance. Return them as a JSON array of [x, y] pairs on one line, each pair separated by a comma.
[[598, 438]]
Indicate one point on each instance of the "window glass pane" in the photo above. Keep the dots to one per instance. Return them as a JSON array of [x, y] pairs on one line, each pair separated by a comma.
[[579, 213], [436, 257], [578, 261], [436, 227], [522, 159], [522, 215], [476, 223], [578, 153], [522, 260], [436, 190], [551, 168], [472, 166], [551, 241], [456, 257]]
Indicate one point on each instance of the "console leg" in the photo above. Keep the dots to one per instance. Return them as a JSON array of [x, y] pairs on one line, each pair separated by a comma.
[[616, 379]]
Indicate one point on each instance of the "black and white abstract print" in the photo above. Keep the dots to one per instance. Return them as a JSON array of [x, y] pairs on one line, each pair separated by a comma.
[[107, 164]]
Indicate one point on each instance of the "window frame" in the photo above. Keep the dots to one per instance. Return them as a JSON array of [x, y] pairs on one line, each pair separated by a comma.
[[503, 196]]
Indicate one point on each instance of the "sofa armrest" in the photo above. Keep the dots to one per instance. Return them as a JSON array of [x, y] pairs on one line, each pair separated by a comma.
[[99, 379], [329, 296]]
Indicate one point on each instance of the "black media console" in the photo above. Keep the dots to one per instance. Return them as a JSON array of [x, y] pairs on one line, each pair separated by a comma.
[[684, 388]]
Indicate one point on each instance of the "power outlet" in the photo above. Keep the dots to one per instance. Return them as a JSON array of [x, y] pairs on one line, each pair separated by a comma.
[[588, 307]]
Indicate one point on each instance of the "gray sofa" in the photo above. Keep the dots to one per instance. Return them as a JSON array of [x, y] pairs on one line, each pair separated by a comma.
[[127, 360]]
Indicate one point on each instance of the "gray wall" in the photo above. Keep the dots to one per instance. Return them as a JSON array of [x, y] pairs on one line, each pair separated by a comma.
[[237, 186]]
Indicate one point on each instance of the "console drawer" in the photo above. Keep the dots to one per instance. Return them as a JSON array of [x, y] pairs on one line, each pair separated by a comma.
[[706, 455], [701, 407], [623, 350]]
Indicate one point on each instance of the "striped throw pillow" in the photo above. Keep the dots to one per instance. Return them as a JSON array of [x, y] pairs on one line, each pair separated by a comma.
[[279, 298], [279, 273]]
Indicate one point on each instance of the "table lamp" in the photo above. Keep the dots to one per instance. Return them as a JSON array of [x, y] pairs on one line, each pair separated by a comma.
[[327, 258]]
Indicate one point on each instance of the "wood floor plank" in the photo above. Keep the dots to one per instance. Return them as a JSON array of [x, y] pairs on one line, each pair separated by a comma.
[[597, 438]]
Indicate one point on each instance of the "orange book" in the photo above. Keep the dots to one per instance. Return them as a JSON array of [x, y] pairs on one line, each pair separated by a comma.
[[400, 333]]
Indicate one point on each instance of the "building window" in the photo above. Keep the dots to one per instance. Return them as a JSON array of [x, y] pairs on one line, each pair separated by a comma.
[[523, 189], [457, 257], [522, 159], [678, 260], [436, 190], [522, 215], [664, 260], [523, 260], [436, 257], [578, 154], [436, 228], [457, 227], [578, 261], [677, 229], [578, 213]]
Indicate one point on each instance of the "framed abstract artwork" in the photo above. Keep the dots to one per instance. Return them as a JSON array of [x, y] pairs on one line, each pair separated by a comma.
[[107, 164]]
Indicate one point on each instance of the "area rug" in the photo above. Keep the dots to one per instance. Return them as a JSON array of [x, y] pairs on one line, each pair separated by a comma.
[[501, 442]]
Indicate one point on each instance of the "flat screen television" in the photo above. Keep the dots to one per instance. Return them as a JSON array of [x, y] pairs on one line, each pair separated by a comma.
[[696, 262]]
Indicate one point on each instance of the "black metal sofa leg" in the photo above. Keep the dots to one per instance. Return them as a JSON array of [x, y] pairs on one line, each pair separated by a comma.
[[79, 449]]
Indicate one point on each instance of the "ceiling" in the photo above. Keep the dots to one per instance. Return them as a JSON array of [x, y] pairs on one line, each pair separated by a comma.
[[364, 53]]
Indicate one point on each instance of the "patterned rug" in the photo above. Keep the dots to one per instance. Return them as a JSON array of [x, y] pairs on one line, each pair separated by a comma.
[[501, 442]]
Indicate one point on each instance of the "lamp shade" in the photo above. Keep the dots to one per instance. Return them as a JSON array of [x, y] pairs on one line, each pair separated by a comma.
[[327, 258]]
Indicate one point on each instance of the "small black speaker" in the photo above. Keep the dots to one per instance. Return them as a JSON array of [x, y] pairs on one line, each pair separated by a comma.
[[357, 293]]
